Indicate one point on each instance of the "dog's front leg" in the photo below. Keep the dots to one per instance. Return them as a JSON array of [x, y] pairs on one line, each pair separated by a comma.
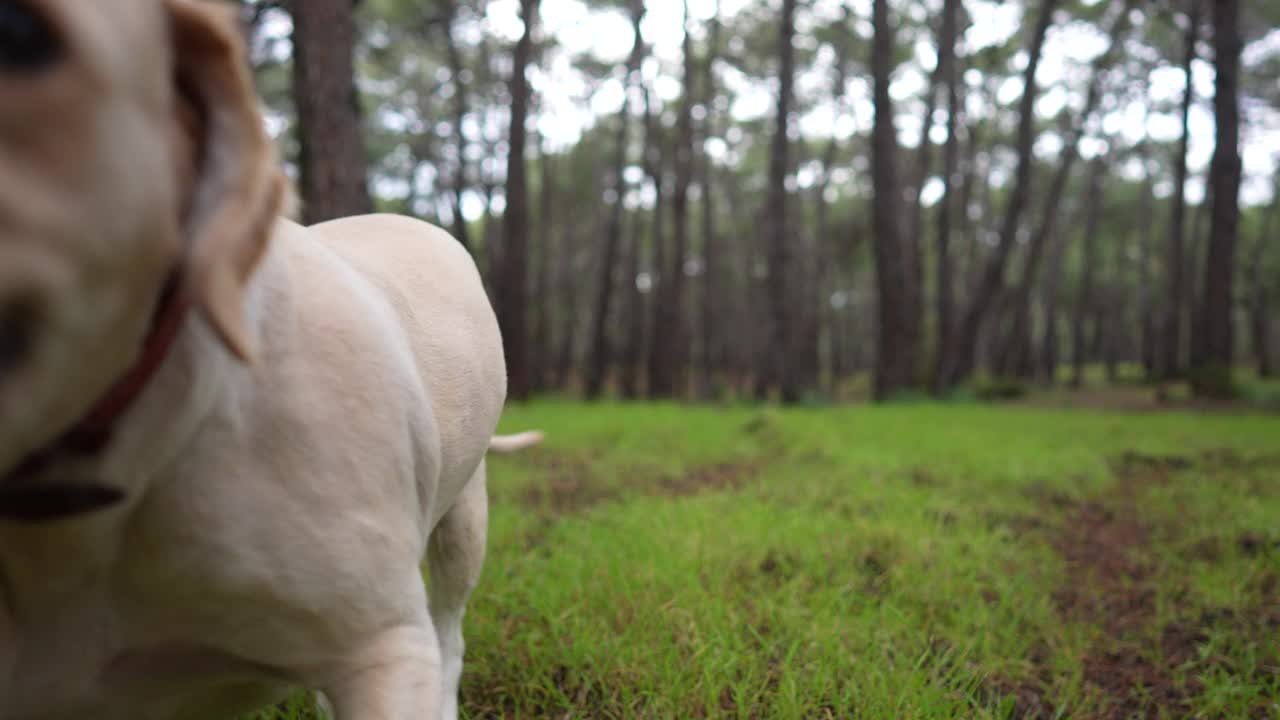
[[394, 676]]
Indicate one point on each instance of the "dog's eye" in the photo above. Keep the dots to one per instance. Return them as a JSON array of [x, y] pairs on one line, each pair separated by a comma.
[[27, 39]]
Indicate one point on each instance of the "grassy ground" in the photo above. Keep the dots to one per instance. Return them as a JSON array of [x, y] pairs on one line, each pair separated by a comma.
[[912, 561]]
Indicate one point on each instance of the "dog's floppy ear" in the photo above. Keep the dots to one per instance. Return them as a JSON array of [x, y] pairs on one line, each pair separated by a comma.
[[238, 187]]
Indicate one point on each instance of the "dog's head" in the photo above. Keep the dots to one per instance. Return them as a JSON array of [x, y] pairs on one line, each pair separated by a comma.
[[131, 147]]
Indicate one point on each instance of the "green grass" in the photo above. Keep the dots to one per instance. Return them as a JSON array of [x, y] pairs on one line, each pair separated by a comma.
[[658, 561]]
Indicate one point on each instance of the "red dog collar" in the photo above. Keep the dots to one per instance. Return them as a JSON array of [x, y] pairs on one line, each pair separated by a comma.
[[23, 500]]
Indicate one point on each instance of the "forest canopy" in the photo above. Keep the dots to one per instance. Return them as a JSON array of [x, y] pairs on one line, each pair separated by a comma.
[[718, 197]]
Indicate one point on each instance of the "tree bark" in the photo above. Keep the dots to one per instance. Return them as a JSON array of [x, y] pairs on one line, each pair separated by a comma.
[[598, 365], [512, 291], [1014, 357], [712, 346], [489, 231], [456, 68], [1196, 260], [1049, 299], [781, 366], [1170, 365], [959, 351], [1084, 293], [655, 168], [331, 145], [896, 348], [740, 289], [540, 340], [968, 259], [1114, 312], [818, 300], [1259, 303], [1146, 306], [569, 304], [633, 347], [947, 62], [976, 252], [672, 341], [1214, 375]]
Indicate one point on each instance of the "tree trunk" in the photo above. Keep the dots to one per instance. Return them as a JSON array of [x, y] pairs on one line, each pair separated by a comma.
[[740, 289], [512, 292], [1049, 299], [959, 352], [633, 347], [489, 232], [1259, 304], [712, 350], [966, 260], [488, 177], [655, 168], [913, 239], [1170, 364], [569, 304], [1146, 306], [781, 366], [976, 253], [1214, 375], [540, 341], [1196, 260], [818, 299], [600, 360], [1014, 356], [456, 69], [947, 63], [671, 353], [572, 268], [331, 146], [1114, 312], [1084, 292], [896, 356]]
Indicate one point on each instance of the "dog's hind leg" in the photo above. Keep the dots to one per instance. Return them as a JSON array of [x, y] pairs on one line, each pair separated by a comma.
[[455, 557]]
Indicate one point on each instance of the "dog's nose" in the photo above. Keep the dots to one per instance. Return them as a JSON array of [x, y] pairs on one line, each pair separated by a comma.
[[17, 329]]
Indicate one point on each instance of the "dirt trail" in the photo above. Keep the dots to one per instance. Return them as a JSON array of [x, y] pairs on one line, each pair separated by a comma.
[[1109, 585]]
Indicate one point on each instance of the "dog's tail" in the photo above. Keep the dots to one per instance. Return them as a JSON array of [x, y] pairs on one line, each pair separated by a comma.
[[515, 443]]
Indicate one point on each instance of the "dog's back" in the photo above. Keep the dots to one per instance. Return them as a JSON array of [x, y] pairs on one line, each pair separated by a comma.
[[433, 286]]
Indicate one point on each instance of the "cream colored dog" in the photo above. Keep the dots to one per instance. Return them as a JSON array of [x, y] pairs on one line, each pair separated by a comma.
[[227, 442]]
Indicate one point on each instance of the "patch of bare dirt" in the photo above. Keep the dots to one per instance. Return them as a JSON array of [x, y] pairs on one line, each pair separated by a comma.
[[710, 477], [1137, 399], [1029, 695], [571, 484], [1227, 460], [923, 477], [1132, 466], [1109, 585]]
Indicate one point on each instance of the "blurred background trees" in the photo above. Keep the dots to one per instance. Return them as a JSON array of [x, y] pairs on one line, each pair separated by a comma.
[[805, 199]]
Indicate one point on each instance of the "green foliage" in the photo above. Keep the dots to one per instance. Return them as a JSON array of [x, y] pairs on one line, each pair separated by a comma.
[[300, 707], [408, 92], [999, 389], [1259, 392], [1212, 381]]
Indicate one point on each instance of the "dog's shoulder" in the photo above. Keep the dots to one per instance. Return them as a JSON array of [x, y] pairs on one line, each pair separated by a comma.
[[420, 302]]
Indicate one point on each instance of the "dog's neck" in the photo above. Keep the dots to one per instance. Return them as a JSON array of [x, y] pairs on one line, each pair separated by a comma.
[[24, 497]]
